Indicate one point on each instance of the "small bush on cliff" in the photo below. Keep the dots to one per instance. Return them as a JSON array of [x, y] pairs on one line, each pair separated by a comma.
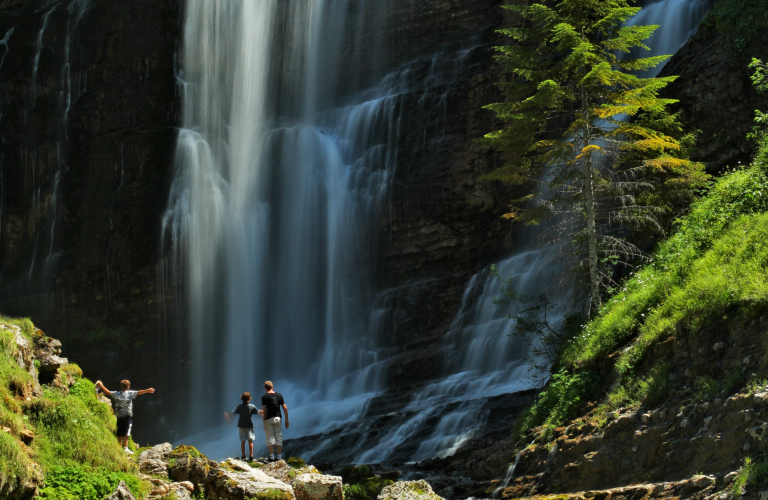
[[84, 483]]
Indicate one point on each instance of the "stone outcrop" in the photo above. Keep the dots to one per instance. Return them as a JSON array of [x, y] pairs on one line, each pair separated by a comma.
[[185, 464], [154, 462], [317, 487], [716, 96], [409, 490], [236, 480], [281, 471]]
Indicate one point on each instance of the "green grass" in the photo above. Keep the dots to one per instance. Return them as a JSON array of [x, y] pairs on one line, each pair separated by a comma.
[[750, 473], [73, 446], [75, 428], [708, 388], [716, 264], [84, 483]]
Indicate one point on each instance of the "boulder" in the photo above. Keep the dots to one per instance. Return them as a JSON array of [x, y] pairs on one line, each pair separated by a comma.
[[317, 487], [47, 352], [185, 463], [182, 491], [154, 461], [409, 490], [121, 493], [236, 480], [281, 471]]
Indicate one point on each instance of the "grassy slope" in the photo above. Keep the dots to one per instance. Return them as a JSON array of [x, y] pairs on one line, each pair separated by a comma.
[[716, 264], [74, 445]]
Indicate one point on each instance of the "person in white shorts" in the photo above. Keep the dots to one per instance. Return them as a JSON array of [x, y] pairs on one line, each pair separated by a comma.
[[244, 412], [271, 402]]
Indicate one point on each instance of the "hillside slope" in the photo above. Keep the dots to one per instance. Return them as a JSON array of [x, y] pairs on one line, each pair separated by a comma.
[[57, 438]]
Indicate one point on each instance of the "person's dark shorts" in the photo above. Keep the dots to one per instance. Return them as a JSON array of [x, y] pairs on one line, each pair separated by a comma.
[[124, 425]]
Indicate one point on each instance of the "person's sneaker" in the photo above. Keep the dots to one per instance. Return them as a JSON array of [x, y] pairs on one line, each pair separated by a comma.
[[250, 459], [242, 458], [128, 451]]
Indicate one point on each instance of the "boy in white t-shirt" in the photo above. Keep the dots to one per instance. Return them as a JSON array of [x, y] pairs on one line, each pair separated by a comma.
[[122, 404]]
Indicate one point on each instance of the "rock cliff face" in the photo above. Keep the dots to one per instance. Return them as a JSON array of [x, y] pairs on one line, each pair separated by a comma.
[[87, 136], [88, 129], [88, 124], [716, 95]]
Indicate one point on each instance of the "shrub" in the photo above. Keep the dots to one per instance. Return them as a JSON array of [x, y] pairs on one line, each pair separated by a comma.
[[83, 483]]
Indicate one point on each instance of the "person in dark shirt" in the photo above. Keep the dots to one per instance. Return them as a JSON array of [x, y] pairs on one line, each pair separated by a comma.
[[271, 402], [244, 412]]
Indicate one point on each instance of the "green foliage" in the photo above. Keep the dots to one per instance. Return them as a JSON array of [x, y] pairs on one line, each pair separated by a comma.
[[73, 445], [367, 489], [559, 403], [83, 483], [694, 278], [596, 172], [77, 428], [750, 473], [716, 263], [72, 369], [740, 21], [16, 467], [759, 132], [708, 388]]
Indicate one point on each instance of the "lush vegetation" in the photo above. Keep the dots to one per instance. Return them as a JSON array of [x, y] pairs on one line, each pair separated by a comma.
[[741, 21], [73, 444], [716, 264], [572, 65]]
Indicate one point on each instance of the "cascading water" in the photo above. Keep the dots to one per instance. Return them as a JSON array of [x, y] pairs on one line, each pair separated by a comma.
[[282, 167], [482, 360]]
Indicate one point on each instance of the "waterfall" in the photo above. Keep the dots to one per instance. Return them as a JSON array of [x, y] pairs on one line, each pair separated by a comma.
[[291, 137], [282, 167], [482, 359]]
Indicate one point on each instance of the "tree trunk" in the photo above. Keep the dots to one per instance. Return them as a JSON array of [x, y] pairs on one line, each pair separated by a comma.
[[594, 281]]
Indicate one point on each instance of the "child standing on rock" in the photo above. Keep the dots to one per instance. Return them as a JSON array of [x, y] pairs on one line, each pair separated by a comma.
[[245, 412], [122, 403]]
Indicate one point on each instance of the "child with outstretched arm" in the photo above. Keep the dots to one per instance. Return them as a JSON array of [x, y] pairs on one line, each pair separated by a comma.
[[122, 403], [245, 412]]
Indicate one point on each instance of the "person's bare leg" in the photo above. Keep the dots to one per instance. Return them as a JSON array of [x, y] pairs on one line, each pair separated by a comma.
[[250, 447], [271, 449], [279, 450], [242, 448]]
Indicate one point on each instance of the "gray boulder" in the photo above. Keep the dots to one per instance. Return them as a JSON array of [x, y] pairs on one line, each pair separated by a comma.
[[317, 487], [409, 490], [236, 480], [154, 461]]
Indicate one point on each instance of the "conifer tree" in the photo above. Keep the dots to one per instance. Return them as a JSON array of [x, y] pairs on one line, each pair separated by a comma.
[[591, 136]]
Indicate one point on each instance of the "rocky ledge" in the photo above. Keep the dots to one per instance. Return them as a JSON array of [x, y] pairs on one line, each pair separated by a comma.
[[184, 473]]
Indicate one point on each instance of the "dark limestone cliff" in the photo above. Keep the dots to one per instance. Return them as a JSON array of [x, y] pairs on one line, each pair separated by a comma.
[[86, 162], [88, 110], [716, 95]]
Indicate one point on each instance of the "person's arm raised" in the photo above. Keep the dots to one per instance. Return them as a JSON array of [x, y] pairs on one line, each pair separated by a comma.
[[101, 386], [145, 391]]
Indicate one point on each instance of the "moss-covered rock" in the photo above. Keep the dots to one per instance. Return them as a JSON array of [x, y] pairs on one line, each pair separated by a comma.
[[296, 462], [186, 463], [367, 489], [409, 490], [236, 480]]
